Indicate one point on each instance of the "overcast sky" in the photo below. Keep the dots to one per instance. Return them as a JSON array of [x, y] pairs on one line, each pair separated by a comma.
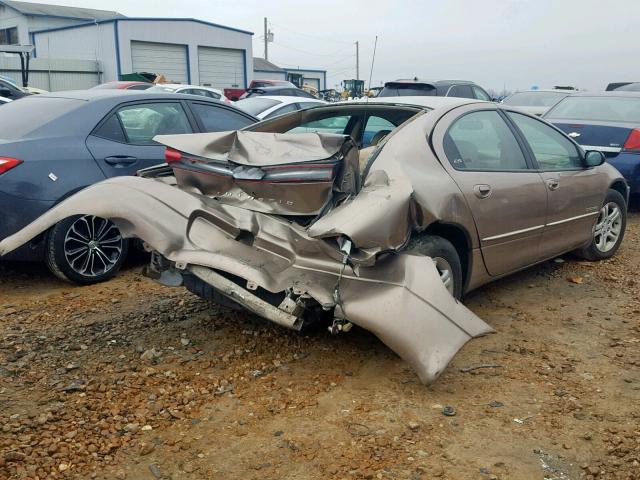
[[496, 43]]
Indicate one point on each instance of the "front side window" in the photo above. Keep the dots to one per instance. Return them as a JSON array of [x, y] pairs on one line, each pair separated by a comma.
[[143, 122], [336, 124], [483, 141], [219, 119], [552, 150]]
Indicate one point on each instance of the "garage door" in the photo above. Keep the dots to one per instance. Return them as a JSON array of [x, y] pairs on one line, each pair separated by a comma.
[[221, 67], [312, 82], [163, 58]]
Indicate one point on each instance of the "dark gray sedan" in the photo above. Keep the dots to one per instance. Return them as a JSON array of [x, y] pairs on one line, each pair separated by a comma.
[[53, 145]]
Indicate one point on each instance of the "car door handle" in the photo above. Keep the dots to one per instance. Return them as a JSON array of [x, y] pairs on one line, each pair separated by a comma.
[[120, 160], [553, 183], [482, 191]]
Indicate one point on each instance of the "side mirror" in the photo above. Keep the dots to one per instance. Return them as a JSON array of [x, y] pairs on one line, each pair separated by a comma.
[[5, 92], [593, 158]]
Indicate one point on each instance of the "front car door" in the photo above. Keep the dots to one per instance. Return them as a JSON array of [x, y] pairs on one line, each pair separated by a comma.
[[505, 194], [122, 143], [573, 198]]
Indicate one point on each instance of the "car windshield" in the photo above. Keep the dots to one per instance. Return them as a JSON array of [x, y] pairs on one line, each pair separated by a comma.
[[162, 89], [606, 109], [256, 105], [408, 90], [534, 99], [18, 119]]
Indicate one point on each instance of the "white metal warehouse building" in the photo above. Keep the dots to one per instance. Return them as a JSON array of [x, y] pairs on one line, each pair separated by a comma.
[[184, 50]]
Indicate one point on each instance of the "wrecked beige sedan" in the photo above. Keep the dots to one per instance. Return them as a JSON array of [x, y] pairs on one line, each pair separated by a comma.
[[376, 214]]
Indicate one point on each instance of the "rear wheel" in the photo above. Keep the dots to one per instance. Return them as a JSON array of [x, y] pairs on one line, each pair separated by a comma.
[[445, 257], [609, 229], [85, 249]]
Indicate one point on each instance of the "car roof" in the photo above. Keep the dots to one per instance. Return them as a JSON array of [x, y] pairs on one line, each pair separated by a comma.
[[182, 85], [285, 99], [132, 95], [612, 93], [418, 81], [547, 90], [417, 101], [275, 87]]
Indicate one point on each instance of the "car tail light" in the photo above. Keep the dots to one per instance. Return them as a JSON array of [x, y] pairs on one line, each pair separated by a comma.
[[633, 141], [172, 156], [7, 164]]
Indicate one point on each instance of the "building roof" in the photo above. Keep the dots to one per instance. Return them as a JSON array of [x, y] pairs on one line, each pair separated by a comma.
[[137, 19], [262, 65], [41, 9]]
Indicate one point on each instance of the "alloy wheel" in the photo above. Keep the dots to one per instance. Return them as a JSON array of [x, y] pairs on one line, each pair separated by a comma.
[[608, 227], [446, 273], [92, 246]]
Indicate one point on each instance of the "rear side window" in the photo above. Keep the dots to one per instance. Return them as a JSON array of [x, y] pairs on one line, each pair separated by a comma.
[[139, 87], [219, 119], [144, 121], [480, 94], [281, 111], [111, 130], [483, 141], [256, 105], [19, 119], [553, 151], [461, 91], [376, 129]]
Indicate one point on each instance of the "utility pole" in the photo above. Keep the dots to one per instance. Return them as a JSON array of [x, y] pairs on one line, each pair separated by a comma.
[[357, 60], [266, 40]]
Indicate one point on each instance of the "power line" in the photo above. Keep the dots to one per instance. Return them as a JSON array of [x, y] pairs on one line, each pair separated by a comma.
[[307, 52], [309, 35]]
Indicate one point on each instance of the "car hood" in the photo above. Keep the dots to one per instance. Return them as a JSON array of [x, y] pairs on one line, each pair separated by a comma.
[[396, 295]]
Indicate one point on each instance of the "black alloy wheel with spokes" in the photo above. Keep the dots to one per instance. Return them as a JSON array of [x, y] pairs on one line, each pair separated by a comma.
[[85, 249]]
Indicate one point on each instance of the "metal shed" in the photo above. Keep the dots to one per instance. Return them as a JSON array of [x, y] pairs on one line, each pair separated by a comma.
[[184, 50]]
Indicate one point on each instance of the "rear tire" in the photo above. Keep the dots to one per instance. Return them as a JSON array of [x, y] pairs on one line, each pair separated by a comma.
[[85, 249], [446, 257], [609, 229]]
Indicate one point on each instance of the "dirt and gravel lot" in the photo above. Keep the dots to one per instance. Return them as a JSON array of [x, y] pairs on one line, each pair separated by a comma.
[[132, 380]]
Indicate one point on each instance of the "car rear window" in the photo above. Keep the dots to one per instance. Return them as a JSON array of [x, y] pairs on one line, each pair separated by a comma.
[[256, 105], [407, 90], [21, 117], [534, 99], [605, 109]]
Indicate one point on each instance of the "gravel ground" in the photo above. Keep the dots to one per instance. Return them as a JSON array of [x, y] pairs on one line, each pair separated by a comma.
[[132, 380]]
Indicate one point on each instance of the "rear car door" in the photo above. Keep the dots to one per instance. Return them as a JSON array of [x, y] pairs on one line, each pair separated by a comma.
[[574, 195], [122, 143], [506, 196]]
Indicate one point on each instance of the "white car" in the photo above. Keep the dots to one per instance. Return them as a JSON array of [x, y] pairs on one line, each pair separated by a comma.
[[4, 100], [264, 106], [189, 90]]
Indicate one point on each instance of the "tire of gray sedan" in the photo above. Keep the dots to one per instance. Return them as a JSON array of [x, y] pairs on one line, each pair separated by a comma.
[[609, 229], [445, 257], [85, 249]]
